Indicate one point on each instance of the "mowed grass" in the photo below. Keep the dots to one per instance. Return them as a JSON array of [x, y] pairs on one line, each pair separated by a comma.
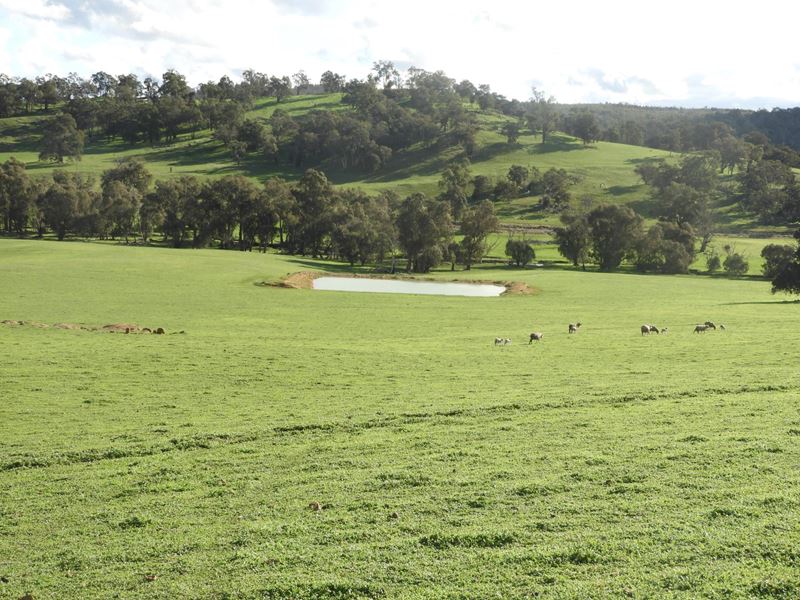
[[602, 464]]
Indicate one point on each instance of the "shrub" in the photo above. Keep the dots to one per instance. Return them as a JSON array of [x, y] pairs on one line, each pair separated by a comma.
[[735, 264], [713, 262], [520, 251], [776, 257], [505, 190]]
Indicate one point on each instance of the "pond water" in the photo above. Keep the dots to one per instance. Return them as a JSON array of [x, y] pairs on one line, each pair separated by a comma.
[[399, 286]]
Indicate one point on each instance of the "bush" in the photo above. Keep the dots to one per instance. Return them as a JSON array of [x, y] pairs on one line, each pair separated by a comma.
[[428, 259], [520, 251], [735, 264], [505, 190], [667, 248], [676, 258], [713, 263], [776, 257]]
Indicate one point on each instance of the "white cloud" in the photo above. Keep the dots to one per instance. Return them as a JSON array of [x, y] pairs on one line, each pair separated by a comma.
[[37, 9], [692, 53]]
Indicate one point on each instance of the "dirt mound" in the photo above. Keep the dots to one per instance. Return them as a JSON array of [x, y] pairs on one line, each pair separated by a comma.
[[304, 280], [111, 328], [122, 328], [519, 287], [67, 326]]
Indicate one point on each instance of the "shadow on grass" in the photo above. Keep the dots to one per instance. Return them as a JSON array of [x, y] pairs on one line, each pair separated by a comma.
[[25, 138], [771, 302], [425, 161], [621, 190], [494, 150], [645, 207], [558, 143], [331, 267], [645, 160]]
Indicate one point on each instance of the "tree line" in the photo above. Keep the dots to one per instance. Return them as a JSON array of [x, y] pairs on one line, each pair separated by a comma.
[[385, 117], [308, 217], [683, 129], [151, 110]]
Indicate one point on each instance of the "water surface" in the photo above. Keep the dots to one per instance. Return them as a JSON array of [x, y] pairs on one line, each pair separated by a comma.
[[400, 286]]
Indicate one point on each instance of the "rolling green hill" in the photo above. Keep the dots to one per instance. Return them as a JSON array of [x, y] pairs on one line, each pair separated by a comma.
[[604, 170]]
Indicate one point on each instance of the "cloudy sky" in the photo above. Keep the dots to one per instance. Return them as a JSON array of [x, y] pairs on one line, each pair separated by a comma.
[[686, 53]]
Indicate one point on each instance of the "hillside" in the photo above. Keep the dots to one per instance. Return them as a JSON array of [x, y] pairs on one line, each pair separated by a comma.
[[603, 171]]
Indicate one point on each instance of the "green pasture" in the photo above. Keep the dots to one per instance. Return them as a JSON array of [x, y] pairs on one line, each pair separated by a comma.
[[603, 464]]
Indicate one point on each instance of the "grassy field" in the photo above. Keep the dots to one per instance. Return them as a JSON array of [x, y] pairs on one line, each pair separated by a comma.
[[602, 464]]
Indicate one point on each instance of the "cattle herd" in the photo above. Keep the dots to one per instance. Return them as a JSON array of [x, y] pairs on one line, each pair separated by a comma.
[[647, 329]]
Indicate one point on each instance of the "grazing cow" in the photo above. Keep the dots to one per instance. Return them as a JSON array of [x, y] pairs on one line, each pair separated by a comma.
[[498, 341], [645, 329], [710, 325], [159, 331], [535, 336], [653, 329], [700, 328], [573, 327], [664, 330], [722, 327], [506, 341]]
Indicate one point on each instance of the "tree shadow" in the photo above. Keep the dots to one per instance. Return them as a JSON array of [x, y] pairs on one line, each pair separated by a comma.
[[494, 150], [644, 160], [621, 190], [558, 143], [24, 137], [645, 207], [331, 267], [424, 161], [771, 302]]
